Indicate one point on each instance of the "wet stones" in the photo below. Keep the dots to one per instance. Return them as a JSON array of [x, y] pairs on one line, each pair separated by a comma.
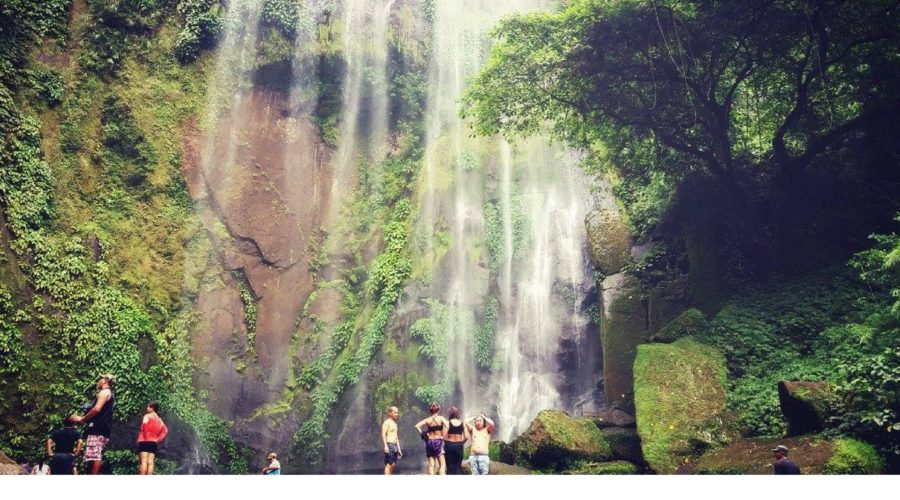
[[609, 240]]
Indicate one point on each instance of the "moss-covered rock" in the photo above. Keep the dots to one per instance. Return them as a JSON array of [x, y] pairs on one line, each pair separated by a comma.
[[813, 453], [686, 324], [554, 440], [806, 406], [609, 240], [679, 394], [618, 467], [852, 456], [622, 328]]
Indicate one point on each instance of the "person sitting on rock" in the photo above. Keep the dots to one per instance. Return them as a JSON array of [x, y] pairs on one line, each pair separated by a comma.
[[783, 464], [479, 454]]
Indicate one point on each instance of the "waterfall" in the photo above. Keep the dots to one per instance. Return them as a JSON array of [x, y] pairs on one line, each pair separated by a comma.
[[536, 266], [365, 54]]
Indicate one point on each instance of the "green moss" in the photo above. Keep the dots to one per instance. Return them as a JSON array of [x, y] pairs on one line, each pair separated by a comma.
[[679, 401], [617, 467], [852, 456], [555, 440]]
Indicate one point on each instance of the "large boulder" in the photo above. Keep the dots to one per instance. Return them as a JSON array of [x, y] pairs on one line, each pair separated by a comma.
[[554, 440], [806, 406], [679, 393], [689, 323], [8, 466], [624, 443], [609, 240], [622, 328], [618, 467], [814, 454]]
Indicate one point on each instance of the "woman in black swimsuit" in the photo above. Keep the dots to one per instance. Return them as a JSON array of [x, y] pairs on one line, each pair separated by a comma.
[[434, 444], [454, 441]]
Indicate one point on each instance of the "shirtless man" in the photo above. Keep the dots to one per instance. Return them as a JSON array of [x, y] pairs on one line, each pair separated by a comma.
[[479, 460], [391, 440]]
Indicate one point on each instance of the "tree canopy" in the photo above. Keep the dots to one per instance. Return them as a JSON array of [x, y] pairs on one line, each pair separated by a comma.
[[704, 85]]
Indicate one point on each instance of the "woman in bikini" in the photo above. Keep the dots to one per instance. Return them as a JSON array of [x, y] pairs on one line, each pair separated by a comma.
[[434, 440]]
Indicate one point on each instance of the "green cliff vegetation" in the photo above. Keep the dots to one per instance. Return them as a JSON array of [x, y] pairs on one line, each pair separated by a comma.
[[95, 210]]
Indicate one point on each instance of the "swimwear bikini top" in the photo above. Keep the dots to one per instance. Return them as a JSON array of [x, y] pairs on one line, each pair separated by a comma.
[[435, 428], [455, 429]]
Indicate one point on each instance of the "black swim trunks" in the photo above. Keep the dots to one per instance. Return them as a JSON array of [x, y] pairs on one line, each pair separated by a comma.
[[390, 458]]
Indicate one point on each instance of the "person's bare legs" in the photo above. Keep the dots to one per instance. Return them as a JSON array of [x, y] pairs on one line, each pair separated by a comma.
[[151, 458], [95, 467], [443, 462], [431, 466], [142, 467], [388, 469]]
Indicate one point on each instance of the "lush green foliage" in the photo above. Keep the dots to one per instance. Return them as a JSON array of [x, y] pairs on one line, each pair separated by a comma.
[[828, 326], [73, 301], [250, 310], [853, 457], [125, 463], [494, 230], [485, 331], [202, 23]]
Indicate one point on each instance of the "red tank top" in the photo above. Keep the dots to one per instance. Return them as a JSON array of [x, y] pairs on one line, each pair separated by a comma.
[[153, 430]]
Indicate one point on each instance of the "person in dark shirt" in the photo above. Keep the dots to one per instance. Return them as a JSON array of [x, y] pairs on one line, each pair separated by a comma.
[[783, 464], [98, 422], [62, 448]]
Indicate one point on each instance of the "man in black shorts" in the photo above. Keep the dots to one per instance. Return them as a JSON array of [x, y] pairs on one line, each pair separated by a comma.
[[391, 440], [62, 447]]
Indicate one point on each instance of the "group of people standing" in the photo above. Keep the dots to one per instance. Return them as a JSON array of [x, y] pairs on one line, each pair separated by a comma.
[[444, 439], [66, 443]]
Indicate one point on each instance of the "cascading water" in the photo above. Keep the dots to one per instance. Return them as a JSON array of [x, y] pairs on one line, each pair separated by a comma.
[[500, 230], [365, 92], [533, 226]]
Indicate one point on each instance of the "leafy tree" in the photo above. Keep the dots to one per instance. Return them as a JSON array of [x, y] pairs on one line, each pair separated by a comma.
[[714, 85]]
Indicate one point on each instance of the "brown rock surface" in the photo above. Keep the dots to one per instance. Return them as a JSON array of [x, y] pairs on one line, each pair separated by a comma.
[[262, 188], [8, 466]]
